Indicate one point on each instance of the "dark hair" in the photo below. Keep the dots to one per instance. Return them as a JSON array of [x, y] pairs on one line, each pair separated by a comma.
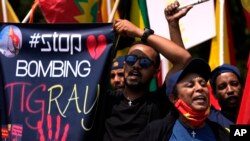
[[158, 59], [175, 94]]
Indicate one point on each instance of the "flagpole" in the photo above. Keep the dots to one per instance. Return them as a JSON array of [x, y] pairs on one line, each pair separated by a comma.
[[165, 67], [26, 17], [29, 13], [108, 7], [221, 28], [5, 17], [111, 17]]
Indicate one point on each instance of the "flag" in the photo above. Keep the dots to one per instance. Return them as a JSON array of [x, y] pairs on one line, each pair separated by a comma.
[[246, 10], [227, 48], [12, 17], [132, 11], [104, 10], [69, 11], [139, 16], [139, 13], [244, 112], [123, 43], [221, 50], [213, 99]]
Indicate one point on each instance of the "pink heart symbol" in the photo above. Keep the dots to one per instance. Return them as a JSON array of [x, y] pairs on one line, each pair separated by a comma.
[[96, 47]]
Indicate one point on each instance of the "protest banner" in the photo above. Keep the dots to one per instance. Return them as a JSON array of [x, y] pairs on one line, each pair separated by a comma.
[[51, 77]]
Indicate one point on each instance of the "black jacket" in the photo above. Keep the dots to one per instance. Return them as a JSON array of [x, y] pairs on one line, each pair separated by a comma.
[[161, 130]]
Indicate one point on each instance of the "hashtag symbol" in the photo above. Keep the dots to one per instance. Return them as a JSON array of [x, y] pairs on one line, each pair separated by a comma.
[[34, 40]]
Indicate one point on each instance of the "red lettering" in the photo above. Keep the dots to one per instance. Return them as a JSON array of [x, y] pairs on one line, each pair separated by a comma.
[[23, 92]]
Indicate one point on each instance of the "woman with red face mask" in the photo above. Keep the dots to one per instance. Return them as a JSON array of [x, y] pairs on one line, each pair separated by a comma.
[[188, 119]]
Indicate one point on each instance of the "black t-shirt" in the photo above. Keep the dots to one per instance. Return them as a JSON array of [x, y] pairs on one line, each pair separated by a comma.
[[124, 121]]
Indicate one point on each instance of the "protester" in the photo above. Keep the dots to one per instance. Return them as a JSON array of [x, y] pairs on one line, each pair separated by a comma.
[[229, 112], [117, 73], [137, 106], [188, 119], [227, 86]]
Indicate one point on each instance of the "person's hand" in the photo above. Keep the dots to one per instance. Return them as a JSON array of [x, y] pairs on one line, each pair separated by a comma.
[[172, 14], [42, 136], [126, 28]]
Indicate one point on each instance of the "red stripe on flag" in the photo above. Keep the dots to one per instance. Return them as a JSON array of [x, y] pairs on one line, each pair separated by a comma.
[[246, 10], [232, 58], [59, 11], [244, 113], [247, 16], [213, 100]]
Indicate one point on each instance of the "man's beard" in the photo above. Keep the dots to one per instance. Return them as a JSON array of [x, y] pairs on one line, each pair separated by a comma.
[[118, 88], [136, 86], [226, 105]]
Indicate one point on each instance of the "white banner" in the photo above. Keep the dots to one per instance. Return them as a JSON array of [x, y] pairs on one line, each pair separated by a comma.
[[196, 27]]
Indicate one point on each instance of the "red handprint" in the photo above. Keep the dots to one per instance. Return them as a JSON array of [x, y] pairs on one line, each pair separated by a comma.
[[50, 133]]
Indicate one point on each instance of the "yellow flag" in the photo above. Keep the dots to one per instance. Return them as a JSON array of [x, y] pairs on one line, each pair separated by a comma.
[[105, 8], [215, 51], [139, 13], [246, 10], [227, 54], [10, 13]]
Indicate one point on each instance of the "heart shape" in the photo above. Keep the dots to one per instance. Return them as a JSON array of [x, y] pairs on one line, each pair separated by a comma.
[[96, 47]]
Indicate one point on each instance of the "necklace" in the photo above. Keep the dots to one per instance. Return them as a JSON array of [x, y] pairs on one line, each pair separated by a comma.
[[193, 134], [129, 101]]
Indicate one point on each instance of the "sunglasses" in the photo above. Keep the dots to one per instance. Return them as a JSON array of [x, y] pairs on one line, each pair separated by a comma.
[[144, 62]]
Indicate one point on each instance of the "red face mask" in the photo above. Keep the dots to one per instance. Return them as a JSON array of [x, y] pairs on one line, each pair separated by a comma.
[[195, 118]]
